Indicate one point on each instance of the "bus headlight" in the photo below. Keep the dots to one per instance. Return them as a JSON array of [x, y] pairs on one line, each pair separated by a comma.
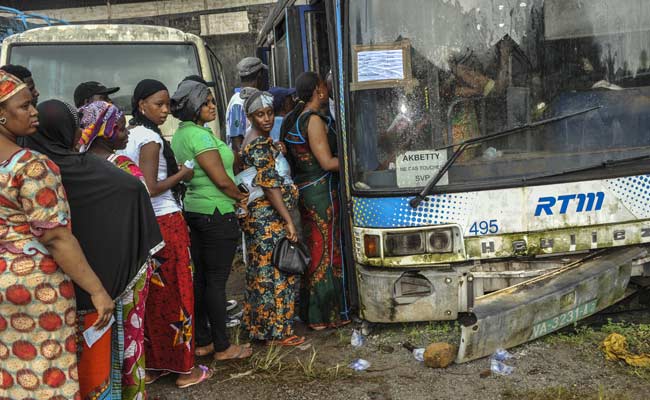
[[441, 241], [404, 244]]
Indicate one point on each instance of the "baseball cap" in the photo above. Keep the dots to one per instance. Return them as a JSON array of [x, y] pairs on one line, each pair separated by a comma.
[[87, 90], [249, 66], [279, 95]]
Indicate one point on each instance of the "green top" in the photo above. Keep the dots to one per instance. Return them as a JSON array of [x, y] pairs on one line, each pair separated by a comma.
[[203, 196]]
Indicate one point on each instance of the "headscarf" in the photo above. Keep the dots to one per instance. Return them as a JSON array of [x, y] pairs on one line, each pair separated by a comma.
[[111, 213], [144, 89], [98, 119], [188, 99], [256, 101], [9, 86]]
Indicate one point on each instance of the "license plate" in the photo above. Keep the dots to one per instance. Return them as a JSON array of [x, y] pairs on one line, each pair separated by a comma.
[[564, 319]]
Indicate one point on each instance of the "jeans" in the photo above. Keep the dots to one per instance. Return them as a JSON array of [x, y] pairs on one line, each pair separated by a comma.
[[214, 241]]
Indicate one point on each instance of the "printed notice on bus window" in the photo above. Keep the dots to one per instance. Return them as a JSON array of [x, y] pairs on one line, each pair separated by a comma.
[[416, 168], [379, 65]]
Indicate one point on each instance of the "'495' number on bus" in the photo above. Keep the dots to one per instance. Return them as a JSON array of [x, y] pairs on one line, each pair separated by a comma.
[[484, 227]]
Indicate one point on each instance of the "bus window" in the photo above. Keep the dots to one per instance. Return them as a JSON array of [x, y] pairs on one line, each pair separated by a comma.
[[59, 68], [220, 89], [282, 73]]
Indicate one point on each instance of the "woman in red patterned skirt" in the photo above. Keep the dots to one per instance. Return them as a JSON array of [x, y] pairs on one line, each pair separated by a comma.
[[169, 311]]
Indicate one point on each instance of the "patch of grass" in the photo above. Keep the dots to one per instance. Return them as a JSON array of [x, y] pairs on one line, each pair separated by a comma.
[[424, 334], [563, 393], [275, 366], [579, 335]]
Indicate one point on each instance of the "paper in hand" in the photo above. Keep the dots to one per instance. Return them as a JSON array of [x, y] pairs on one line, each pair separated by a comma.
[[92, 335]]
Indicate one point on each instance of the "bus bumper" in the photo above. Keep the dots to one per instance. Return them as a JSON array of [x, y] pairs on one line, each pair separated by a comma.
[[407, 295], [536, 307]]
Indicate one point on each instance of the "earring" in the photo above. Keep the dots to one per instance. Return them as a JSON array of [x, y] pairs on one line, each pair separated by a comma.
[[3, 121], [142, 112]]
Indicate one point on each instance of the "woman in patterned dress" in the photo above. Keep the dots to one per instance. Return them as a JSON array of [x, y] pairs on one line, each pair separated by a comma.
[[112, 211], [104, 132], [270, 294], [311, 145], [39, 257]]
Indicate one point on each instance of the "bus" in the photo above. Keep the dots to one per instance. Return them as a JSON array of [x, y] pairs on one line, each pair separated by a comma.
[[61, 57], [14, 21], [494, 156]]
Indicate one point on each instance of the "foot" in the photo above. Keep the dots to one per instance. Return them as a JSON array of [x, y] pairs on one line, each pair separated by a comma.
[[288, 341], [202, 351], [197, 375], [152, 376], [234, 352]]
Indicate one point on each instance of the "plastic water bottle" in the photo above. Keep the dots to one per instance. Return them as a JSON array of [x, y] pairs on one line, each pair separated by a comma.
[[357, 339], [418, 354], [497, 365], [501, 355], [359, 364], [500, 368]]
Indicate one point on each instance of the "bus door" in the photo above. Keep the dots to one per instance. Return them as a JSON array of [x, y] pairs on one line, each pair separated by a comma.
[[315, 49]]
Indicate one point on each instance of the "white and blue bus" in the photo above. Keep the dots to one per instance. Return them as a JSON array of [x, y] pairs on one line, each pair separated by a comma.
[[495, 155]]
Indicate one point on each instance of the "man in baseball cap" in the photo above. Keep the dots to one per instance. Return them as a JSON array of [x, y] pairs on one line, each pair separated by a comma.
[[252, 73], [89, 92]]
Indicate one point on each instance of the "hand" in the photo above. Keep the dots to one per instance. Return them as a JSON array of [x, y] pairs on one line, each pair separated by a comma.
[[292, 233], [281, 147], [186, 173], [104, 306]]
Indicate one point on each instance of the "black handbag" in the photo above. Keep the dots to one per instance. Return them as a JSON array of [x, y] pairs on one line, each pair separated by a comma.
[[291, 258]]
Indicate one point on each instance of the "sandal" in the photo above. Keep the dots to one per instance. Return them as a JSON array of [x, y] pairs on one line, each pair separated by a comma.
[[159, 375], [202, 351], [241, 354], [288, 342], [206, 373]]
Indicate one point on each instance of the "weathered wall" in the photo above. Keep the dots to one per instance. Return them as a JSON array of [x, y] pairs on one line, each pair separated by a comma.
[[229, 27]]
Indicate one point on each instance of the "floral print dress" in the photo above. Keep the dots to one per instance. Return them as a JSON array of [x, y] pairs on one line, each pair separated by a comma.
[[269, 307], [37, 303], [322, 297], [132, 314]]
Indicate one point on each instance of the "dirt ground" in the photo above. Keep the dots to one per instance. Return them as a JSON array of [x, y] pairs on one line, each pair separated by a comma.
[[564, 365]]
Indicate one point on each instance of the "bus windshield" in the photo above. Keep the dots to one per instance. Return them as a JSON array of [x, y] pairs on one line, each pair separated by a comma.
[[428, 74], [59, 68]]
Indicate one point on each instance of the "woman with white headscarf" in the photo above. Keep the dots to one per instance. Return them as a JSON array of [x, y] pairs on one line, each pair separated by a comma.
[[269, 308]]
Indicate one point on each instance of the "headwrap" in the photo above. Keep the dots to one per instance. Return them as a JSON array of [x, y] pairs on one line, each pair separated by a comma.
[[98, 119], [9, 85], [113, 219], [257, 100], [144, 89], [190, 96]]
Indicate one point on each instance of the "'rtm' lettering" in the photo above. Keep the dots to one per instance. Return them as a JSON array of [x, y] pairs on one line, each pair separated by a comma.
[[586, 202]]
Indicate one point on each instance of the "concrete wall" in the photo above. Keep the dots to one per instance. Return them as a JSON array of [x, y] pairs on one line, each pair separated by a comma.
[[229, 27]]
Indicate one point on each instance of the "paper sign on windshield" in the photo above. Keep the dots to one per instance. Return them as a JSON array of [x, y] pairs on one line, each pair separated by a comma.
[[377, 65], [415, 168]]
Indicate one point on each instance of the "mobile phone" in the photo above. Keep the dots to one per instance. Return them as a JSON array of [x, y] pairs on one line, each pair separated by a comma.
[[242, 188]]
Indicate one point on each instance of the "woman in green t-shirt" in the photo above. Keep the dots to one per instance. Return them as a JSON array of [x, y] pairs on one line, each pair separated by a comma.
[[210, 212]]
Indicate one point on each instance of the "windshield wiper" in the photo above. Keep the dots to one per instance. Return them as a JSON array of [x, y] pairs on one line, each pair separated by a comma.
[[604, 164], [415, 202]]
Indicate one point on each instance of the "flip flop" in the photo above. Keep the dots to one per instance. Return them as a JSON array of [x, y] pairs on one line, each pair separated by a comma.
[[241, 354], [233, 323], [206, 373], [231, 305], [160, 375], [204, 353], [288, 342]]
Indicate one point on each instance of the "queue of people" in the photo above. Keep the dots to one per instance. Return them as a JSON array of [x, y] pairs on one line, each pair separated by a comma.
[[108, 227]]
